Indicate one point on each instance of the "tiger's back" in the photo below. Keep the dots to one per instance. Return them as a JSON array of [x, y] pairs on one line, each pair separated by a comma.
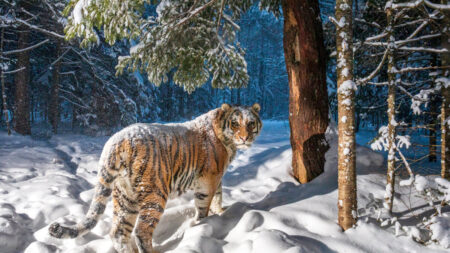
[[144, 163]]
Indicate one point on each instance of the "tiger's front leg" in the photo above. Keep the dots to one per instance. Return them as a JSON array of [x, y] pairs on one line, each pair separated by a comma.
[[204, 193], [216, 204]]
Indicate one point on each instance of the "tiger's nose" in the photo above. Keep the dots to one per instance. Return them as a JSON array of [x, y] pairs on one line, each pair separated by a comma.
[[243, 138]]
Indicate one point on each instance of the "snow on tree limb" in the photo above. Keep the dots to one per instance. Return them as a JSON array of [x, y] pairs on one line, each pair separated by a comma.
[[414, 4], [375, 72], [411, 69], [424, 49], [13, 71], [25, 49], [34, 27]]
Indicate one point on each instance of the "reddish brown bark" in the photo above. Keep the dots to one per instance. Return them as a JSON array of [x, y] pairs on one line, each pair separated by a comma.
[[22, 99], [308, 98]]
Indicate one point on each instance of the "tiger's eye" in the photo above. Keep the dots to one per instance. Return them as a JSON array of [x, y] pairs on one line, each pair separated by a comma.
[[234, 124], [251, 124]]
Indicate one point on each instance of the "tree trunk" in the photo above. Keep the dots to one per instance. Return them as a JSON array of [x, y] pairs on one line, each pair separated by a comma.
[[347, 204], [308, 98], [432, 157], [390, 178], [445, 107], [22, 99], [2, 77], [54, 113]]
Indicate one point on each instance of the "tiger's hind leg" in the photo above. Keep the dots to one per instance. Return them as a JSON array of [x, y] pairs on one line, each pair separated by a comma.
[[151, 209], [124, 218]]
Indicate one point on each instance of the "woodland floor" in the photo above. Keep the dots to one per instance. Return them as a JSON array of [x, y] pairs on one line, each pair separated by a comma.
[[46, 180]]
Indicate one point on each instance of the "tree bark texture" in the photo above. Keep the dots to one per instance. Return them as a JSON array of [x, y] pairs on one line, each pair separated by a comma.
[[445, 107], [54, 112], [432, 140], [347, 201], [390, 178], [308, 99], [22, 100]]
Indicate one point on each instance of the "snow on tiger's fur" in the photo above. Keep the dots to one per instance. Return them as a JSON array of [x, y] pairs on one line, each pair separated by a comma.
[[145, 163]]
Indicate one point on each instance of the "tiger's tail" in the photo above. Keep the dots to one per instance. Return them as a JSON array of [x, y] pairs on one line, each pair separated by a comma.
[[103, 190]]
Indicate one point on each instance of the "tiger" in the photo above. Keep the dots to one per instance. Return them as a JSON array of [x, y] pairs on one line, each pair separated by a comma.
[[143, 164]]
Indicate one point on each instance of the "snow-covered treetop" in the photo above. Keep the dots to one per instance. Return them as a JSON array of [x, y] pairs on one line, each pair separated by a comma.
[[194, 41]]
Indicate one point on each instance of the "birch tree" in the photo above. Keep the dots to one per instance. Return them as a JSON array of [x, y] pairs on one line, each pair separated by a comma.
[[445, 93], [390, 178], [347, 202]]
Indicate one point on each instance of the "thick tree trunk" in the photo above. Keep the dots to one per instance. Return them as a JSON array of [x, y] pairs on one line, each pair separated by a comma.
[[347, 202], [54, 113], [445, 107], [22, 99], [308, 98], [2, 77], [390, 178]]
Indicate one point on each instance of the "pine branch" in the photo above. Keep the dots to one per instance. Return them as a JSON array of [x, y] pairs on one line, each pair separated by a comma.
[[414, 4], [423, 49], [13, 71], [410, 69], [362, 81], [23, 22], [405, 162], [194, 13], [26, 49]]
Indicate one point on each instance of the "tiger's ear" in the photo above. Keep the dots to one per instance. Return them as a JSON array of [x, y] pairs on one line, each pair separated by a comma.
[[225, 107], [256, 107]]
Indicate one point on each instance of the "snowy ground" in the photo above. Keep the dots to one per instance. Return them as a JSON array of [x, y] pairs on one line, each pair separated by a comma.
[[46, 180]]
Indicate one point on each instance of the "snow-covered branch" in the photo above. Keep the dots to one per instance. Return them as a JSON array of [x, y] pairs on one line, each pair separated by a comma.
[[194, 13], [424, 49], [13, 71], [25, 49], [374, 73], [410, 69], [414, 4], [34, 27]]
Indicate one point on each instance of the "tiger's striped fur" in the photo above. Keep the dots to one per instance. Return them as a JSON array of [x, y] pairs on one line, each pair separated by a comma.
[[144, 163]]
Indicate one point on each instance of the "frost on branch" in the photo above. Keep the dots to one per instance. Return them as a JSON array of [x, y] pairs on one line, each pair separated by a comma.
[[180, 41], [380, 143]]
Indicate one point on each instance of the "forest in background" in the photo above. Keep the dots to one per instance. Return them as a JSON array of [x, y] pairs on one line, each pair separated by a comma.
[[49, 82], [92, 97], [386, 70]]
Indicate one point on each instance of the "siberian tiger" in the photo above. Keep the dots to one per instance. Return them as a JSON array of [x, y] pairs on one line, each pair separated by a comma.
[[144, 163]]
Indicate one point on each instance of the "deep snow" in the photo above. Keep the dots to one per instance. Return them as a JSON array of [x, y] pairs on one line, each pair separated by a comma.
[[42, 181]]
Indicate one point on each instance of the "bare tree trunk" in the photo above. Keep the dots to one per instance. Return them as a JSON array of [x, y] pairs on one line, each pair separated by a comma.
[[2, 77], [432, 156], [347, 204], [390, 179], [308, 98], [22, 99], [54, 113], [445, 107]]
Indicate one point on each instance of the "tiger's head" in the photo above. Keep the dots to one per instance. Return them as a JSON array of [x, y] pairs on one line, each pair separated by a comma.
[[239, 125]]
